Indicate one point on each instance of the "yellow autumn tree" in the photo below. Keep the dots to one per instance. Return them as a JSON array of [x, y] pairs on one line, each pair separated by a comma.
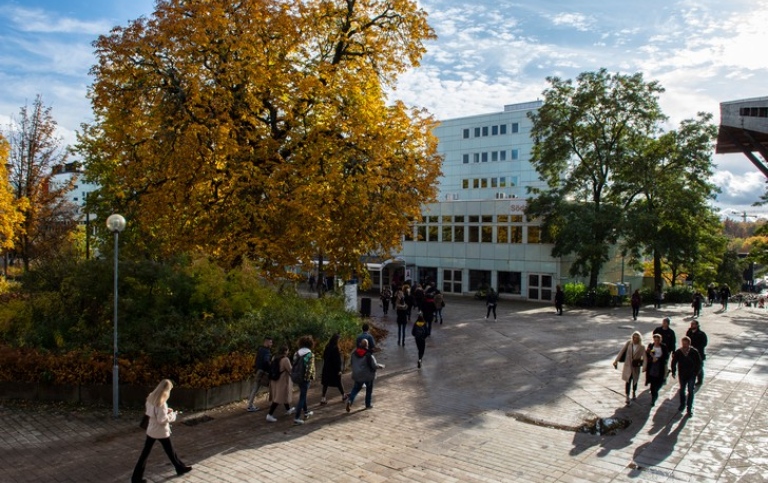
[[262, 129], [10, 207]]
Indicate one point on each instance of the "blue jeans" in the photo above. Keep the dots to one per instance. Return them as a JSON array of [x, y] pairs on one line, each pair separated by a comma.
[[688, 386], [302, 404], [368, 392]]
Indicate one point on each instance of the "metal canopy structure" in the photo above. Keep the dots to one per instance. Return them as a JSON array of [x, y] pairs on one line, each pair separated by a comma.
[[744, 129]]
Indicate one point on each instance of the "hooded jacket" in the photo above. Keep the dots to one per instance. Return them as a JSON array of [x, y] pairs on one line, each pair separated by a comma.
[[364, 365]]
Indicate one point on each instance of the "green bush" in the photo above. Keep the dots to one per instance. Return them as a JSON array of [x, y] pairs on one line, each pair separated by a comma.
[[174, 314]]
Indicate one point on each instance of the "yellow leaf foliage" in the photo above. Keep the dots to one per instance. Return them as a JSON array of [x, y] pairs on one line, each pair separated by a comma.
[[261, 129]]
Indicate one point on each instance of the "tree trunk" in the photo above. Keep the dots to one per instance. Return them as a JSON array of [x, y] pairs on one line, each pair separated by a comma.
[[656, 269]]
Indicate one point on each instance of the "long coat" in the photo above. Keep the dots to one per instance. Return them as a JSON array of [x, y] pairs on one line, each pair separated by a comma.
[[280, 391], [332, 366], [634, 352]]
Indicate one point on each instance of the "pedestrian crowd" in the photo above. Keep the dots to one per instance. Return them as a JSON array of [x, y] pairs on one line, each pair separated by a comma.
[[661, 358]]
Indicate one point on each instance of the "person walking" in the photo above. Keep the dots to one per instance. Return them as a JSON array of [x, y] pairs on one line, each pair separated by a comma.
[[332, 368], [439, 305], [668, 337], [687, 362], [419, 333], [280, 386], [725, 294], [305, 360], [656, 356], [632, 355], [364, 367], [559, 299], [698, 301], [159, 429], [711, 294], [658, 297], [490, 301], [698, 342], [636, 301], [428, 307], [401, 306], [261, 364], [409, 299], [386, 295], [367, 336]]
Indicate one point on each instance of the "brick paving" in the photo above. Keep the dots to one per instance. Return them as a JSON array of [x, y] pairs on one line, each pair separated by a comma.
[[495, 401]]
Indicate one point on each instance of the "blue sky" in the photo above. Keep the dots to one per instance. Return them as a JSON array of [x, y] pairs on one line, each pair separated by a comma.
[[489, 53]]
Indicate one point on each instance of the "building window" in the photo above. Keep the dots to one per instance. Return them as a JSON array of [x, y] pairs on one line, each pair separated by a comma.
[[516, 218], [503, 129], [446, 219], [458, 219], [515, 127], [432, 233], [479, 279], [476, 183], [484, 182], [477, 132], [432, 219], [474, 219], [502, 155], [485, 157], [502, 218], [476, 157], [485, 130], [421, 233], [409, 234], [452, 281], [465, 158], [474, 234], [513, 181], [494, 182], [503, 182], [487, 234], [465, 184], [509, 282], [447, 234], [515, 154], [458, 234], [466, 134], [494, 130], [494, 155], [516, 234], [534, 234], [487, 219], [502, 234]]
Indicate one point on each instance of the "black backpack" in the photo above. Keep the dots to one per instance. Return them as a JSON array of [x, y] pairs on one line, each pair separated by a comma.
[[274, 369], [299, 368]]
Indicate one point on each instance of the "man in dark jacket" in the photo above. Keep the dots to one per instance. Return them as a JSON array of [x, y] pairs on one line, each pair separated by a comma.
[[668, 337], [263, 361], [364, 367], [699, 342], [687, 361]]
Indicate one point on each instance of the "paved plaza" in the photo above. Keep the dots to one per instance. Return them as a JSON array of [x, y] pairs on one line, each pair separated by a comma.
[[494, 401]]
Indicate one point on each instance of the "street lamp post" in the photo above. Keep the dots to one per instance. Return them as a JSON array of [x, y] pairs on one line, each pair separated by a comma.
[[115, 224]]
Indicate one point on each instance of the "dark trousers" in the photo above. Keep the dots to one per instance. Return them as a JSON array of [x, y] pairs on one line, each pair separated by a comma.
[[687, 387], [635, 312], [439, 315], [491, 307], [341, 388], [429, 316], [141, 465], [631, 383], [656, 383], [274, 406], [368, 392], [421, 344], [385, 305], [401, 331], [302, 405]]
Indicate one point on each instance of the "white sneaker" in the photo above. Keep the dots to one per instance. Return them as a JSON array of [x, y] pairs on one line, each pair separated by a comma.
[[298, 421], [308, 414], [290, 411], [271, 419]]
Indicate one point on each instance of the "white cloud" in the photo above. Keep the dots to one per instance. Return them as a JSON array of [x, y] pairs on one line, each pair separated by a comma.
[[578, 21], [40, 21], [739, 189]]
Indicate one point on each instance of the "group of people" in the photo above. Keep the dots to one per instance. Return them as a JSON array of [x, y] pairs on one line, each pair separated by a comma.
[[427, 300], [687, 361]]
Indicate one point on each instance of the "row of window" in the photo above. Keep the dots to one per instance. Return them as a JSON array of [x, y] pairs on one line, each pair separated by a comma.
[[752, 112], [500, 182], [472, 219], [539, 285], [495, 130], [514, 154], [475, 234]]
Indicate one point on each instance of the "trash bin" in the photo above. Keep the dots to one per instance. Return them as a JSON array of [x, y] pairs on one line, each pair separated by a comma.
[[365, 306]]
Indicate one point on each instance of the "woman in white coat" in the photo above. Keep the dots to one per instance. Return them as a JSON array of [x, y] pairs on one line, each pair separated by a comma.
[[159, 429], [632, 355]]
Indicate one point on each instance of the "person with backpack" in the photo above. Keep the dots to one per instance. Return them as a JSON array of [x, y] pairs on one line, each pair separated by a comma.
[[332, 368], [364, 367], [439, 305], [261, 365], [428, 307], [280, 387], [302, 373], [385, 297], [401, 307], [419, 333]]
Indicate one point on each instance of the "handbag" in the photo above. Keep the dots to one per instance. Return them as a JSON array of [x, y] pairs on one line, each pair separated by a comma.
[[637, 362], [144, 423], [623, 356]]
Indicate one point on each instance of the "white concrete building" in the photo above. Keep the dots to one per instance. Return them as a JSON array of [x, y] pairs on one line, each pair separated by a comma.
[[477, 234]]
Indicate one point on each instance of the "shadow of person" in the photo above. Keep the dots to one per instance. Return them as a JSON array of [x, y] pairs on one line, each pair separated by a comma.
[[654, 452], [613, 432]]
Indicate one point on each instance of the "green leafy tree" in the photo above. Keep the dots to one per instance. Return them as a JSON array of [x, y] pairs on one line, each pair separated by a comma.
[[260, 129], [667, 190], [585, 135]]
